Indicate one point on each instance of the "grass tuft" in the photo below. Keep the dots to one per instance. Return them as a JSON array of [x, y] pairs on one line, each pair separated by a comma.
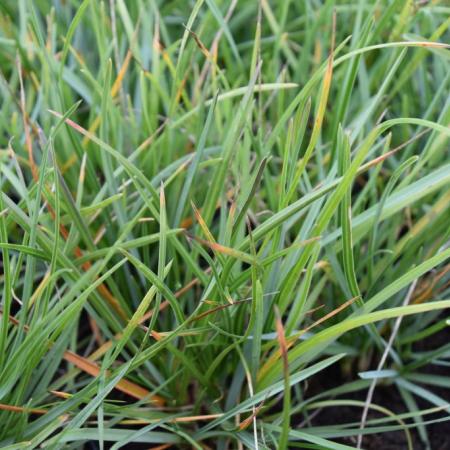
[[223, 222]]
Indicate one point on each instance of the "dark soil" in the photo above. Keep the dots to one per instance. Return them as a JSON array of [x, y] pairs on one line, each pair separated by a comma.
[[389, 397]]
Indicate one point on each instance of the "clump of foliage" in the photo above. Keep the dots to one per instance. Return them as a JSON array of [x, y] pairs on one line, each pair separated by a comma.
[[207, 205]]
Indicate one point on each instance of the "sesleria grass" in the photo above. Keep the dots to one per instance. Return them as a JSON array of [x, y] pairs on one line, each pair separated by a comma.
[[205, 205]]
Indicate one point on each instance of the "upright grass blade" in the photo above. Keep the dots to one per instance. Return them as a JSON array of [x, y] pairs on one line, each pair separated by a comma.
[[228, 151], [194, 165], [7, 288], [345, 219]]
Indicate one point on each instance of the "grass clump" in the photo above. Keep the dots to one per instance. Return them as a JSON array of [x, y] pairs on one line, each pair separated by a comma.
[[208, 207]]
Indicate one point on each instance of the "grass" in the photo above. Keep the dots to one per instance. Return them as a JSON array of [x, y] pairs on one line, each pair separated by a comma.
[[207, 205]]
